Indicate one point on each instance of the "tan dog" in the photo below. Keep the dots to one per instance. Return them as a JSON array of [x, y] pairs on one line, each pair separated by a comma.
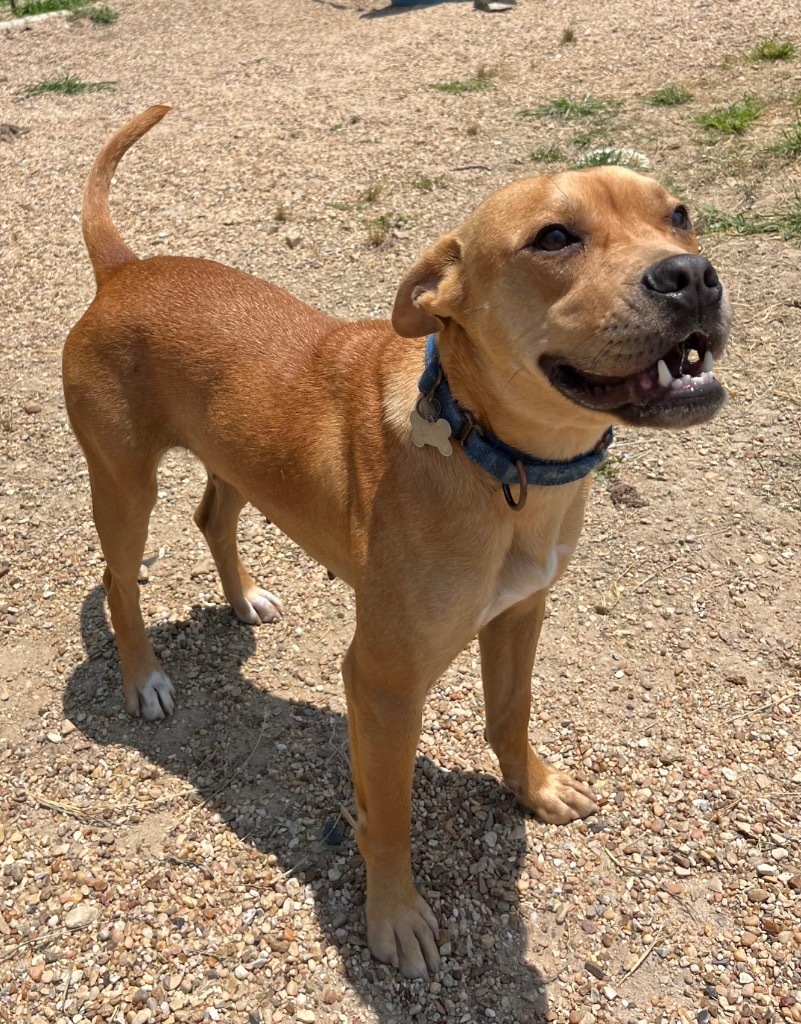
[[562, 305]]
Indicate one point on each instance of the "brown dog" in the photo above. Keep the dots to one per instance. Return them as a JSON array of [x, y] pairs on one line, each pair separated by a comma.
[[562, 305]]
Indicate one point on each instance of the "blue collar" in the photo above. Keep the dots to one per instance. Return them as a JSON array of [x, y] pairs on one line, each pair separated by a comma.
[[507, 465]]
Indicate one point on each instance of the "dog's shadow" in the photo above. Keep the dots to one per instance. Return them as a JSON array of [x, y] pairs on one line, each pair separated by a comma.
[[276, 772]]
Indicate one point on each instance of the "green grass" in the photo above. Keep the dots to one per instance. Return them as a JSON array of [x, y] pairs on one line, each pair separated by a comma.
[[547, 155], [568, 110], [379, 230], [426, 184], [784, 222], [772, 49], [481, 81], [97, 15], [734, 119], [790, 143], [612, 156], [45, 6], [670, 96], [68, 85]]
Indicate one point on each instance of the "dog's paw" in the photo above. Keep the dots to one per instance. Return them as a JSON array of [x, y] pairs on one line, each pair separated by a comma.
[[259, 606], [156, 697], [560, 799], [405, 936]]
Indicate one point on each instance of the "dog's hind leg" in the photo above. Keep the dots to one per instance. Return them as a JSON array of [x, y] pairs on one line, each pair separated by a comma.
[[123, 496], [508, 644], [217, 516]]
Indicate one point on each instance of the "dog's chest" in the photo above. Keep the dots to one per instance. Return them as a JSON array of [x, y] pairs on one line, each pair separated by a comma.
[[522, 574]]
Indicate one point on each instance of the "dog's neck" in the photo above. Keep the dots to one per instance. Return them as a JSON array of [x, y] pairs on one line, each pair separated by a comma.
[[495, 396]]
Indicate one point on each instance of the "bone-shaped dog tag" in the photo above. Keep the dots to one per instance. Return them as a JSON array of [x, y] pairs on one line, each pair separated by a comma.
[[432, 432]]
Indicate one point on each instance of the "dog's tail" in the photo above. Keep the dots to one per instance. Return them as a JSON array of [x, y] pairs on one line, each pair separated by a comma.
[[107, 251]]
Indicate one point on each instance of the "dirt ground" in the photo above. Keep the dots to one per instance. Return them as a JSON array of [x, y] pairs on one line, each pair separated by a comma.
[[179, 871]]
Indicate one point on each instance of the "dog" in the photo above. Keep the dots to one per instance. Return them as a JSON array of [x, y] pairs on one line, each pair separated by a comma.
[[438, 463]]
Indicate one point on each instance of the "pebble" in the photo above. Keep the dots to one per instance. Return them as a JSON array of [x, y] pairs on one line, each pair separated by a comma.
[[240, 972], [31, 408], [609, 992], [766, 869], [80, 917], [758, 895], [306, 1016]]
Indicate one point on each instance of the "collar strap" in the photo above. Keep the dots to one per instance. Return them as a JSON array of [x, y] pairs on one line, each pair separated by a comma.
[[506, 464]]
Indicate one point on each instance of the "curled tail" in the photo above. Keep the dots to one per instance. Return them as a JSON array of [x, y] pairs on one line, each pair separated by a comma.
[[107, 251]]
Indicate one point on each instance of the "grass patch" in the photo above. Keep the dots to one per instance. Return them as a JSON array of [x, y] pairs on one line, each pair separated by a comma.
[[670, 96], [772, 49], [380, 229], [67, 85], [734, 119], [612, 156], [569, 110], [786, 222], [426, 184], [547, 155], [372, 192], [789, 145], [568, 35], [481, 81], [97, 15], [44, 7]]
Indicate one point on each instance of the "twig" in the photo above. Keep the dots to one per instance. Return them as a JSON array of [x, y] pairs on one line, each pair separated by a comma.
[[289, 871], [643, 958], [347, 816], [765, 707], [71, 809], [715, 818], [66, 988]]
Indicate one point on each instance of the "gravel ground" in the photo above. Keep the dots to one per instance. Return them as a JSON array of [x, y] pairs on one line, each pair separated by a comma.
[[204, 869]]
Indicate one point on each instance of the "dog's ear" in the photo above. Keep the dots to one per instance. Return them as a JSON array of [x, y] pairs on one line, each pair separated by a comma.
[[430, 292]]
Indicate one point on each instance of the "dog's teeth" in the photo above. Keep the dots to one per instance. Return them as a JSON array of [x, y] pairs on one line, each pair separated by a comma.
[[709, 363], [686, 378], [676, 384], [665, 376]]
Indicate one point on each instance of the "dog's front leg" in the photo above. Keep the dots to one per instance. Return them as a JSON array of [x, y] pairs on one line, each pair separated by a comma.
[[384, 720], [508, 644]]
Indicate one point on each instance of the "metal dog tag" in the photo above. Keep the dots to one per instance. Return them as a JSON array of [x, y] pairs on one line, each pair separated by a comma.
[[431, 432]]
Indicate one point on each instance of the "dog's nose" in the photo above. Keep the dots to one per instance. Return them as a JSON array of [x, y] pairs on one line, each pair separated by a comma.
[[687, 280]]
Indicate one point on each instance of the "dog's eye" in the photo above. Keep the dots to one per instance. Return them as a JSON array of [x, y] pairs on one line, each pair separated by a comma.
[[553, 238], [681, 219]]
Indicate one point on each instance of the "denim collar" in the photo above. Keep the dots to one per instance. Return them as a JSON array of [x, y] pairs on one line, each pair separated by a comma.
[[506, 464]]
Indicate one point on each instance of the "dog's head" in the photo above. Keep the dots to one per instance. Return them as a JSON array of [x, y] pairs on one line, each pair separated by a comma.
[[587, 289]]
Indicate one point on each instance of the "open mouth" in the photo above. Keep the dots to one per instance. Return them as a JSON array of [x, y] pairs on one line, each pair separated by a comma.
[[678, 388]]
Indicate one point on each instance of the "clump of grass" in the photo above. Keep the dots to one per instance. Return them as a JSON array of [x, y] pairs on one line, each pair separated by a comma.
[[734, 119], [478, 83], [790, 143], [473, 129], [380, 229], [372, 192], [281, 213], [611, 156], [772, 49], [670, 96], [568, 35], [567, 109], [785, 222], [546, 155], [44, 7], [336, 127], [68, 85], [97, 15], [426, 184]]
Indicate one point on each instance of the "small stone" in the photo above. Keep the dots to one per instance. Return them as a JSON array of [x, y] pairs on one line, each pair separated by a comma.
[[766, 869], [748, 939], [609, 992], [307, 1016], [205, 565], [758, 895], [682, 872], [576, 1016], [729, 774], [293, 239], [588, 927], [144, 574], [54, 737], [80, 917], [779, 853], [240, 972], [562, 912], [758, 559], [31, 408], [594, 969], [331, 996], [334, 875], [35, 972], [490, 838]]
